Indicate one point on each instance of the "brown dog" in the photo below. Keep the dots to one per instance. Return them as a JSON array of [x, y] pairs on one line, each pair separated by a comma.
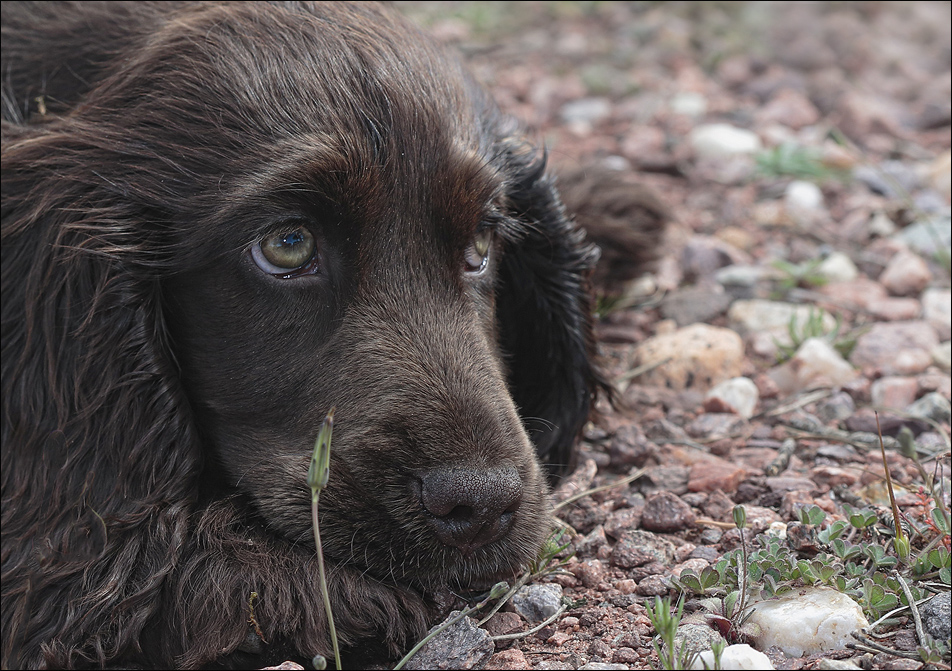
[[219, 221]]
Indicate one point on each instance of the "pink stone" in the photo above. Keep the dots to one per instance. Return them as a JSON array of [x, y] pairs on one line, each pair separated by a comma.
[[827, 477], [512, 659], [877, 347], [696, 564], [558, 639], [906, 274], [626, 586], [791, 109], [895, 309], [894, 391], [714, 473], [859, 292], [590, 572], [911, 361]]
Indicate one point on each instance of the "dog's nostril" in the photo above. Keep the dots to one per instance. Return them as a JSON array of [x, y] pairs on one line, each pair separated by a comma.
[[460, 513], [469, 507]]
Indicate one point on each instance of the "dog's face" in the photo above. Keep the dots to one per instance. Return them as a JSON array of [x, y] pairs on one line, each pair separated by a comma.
[[231, 218], [353, 261]]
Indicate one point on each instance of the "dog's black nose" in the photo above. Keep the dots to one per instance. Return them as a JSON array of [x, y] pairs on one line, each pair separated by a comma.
[[470, 507]]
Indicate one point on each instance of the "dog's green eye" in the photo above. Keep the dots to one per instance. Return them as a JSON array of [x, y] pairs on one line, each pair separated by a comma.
[[477, 254], [285, 252], [289, 250]]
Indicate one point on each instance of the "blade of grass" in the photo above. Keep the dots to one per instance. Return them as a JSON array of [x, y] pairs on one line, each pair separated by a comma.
[[900, 541], [317, 476]]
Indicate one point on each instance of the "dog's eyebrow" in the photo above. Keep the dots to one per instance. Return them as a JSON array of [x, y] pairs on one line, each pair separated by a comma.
[[295, 160], [477, 181]]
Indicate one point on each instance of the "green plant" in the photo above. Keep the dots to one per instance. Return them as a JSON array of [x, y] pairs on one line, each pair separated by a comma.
[[814, 327], [545, 563], [317, 476], [717, 647], [548, 561], [795, 275], [851, 555], [665, 623], [793, 160], [857, 555], [725, 587]]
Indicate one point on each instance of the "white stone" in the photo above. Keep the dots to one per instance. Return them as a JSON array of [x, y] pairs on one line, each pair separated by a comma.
[[802, 196], [777, 530], [738, 393], [721, 140], [698, 356], [838, 267], [882, 225], [942, 355], [807, 620], [815, 364], [910, 362], [743, 275], [757, 314], [937, 310], [689, 104], [586, 110], [738, 657]]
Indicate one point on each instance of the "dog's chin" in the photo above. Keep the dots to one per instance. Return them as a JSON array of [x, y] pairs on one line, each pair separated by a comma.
[[472, 575]]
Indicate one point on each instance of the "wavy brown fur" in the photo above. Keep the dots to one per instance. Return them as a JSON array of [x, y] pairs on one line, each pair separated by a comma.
[[161, 393]]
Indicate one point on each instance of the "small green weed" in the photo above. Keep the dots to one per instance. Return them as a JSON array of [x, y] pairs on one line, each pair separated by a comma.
[[793, 160], [887, 563], [317, 476], [851, 556], [814, 327], [666, 625], [795, 275]]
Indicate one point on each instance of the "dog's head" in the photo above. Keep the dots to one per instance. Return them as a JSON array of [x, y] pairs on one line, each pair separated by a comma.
[[378, 239], [292, 208]]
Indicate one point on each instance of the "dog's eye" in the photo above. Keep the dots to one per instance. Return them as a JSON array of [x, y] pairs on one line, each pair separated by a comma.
[[477, 254], [285, 253]]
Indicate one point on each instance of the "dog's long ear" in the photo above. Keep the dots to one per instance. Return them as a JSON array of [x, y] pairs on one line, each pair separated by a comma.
[[544, 308], [100, 461], [80, 41], [624, 218]]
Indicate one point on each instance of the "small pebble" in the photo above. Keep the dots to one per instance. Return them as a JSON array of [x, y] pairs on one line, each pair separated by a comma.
[[935, 616], [932, 406], [906, 274], [738, 395], [816, 363], [538, 602], [461, 646], [723, 140], [838, 267], [803, 201], [665, 512], [937, 310]]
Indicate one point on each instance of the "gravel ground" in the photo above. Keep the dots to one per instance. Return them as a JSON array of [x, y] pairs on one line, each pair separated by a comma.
[[803, 151]]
